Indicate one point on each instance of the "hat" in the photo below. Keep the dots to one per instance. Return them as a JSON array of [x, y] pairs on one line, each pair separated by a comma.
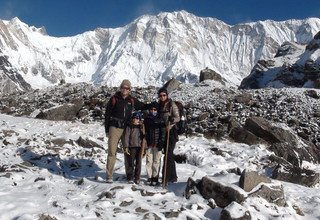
[[125, 82], [162, 90], [154, 105], [136, 115]]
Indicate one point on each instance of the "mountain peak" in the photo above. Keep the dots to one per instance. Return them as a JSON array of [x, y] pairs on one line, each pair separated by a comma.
[[150, 50]]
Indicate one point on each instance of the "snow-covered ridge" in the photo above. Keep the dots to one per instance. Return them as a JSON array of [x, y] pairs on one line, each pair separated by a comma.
[[148, 51]]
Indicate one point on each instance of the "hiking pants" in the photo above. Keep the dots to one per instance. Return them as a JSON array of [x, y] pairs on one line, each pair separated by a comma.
[[134, 163], [171, 164], [115, 134], [153, 157]]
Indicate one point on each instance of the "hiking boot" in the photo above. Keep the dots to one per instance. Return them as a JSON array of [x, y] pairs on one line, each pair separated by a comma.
[[130, 182], [137, 182], [109, 180], [149, 181]]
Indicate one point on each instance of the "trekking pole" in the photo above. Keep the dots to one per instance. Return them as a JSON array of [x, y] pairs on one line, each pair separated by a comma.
[[166, 159]]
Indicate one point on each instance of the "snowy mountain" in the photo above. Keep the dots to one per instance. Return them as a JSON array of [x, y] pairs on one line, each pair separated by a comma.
[[148, 51], [294, 65]]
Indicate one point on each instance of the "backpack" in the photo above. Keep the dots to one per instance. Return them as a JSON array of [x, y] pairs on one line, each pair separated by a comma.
[[182, 124]]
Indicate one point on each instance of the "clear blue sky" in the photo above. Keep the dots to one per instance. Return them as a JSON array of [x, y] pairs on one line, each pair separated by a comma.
[[71, 17]]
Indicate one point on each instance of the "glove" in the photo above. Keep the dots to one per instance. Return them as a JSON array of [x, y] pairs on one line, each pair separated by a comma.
[[126, 151], [144, 152]]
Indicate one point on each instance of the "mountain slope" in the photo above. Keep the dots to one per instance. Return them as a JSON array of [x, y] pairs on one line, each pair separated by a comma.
[[148, 51], [293, 66]]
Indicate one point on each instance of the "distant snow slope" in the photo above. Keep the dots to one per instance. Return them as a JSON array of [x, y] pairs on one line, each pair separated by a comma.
[[148, 51]]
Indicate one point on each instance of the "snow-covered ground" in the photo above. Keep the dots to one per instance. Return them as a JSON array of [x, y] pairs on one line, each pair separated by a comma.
[[66, 181]]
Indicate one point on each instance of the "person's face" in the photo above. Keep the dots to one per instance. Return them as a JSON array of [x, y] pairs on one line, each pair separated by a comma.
[[136, 121], [163, 96], [125, 90], [153, 111]]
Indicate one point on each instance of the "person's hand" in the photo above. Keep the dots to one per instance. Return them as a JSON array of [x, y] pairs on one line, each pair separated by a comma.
[[126, 151]]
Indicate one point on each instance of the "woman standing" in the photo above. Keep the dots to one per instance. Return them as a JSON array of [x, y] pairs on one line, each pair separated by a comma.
[[169, 112]]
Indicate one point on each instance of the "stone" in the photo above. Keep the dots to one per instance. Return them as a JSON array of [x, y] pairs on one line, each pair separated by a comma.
[[250, 179], [296, 175], [271, 193], [222, 194], [208, 74], [235, 211], [172, 85]]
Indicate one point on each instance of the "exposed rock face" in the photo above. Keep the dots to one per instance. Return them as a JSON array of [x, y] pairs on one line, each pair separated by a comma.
[[299, 68], [10, 79]]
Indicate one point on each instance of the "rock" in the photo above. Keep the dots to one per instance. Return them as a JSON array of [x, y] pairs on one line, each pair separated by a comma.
[[235, 211], [296, 175], [271, 193], [61, 141], [295, 154], [208, 74], [151, 215], [172, 85], [269, 132], [312, 93], [250, 179], [223, 195], [241, 135], [46, 217], [244, 98], [190, 188], [203, 116], [66, 112], [86, 143]]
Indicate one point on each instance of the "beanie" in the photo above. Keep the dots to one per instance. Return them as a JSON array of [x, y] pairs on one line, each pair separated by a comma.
[[162, 90], [126, 82]]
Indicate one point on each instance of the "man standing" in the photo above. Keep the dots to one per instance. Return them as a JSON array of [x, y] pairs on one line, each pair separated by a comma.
[[118, 114]]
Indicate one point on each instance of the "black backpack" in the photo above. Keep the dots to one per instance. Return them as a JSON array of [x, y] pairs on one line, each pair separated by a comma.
[[182, 124]]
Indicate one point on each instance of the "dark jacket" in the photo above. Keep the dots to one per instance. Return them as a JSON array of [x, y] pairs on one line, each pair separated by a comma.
[[119, 110], [133, 136], [155, 131]]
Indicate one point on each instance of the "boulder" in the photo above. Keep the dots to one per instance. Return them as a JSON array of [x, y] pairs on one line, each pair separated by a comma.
[[67, 112], [235, 211], [172, 84], [271, 193], [242, 135], [295, 154], [222, 194], [86, 143], [250, 179], [296, 175], [208, 74], [244, 98], [269, 132]]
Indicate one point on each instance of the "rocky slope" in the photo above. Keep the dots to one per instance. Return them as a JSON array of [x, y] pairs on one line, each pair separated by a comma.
[[294, 65]]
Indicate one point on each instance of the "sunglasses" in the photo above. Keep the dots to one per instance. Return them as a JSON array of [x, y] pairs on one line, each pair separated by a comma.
[[164, 95], [125, 88]]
